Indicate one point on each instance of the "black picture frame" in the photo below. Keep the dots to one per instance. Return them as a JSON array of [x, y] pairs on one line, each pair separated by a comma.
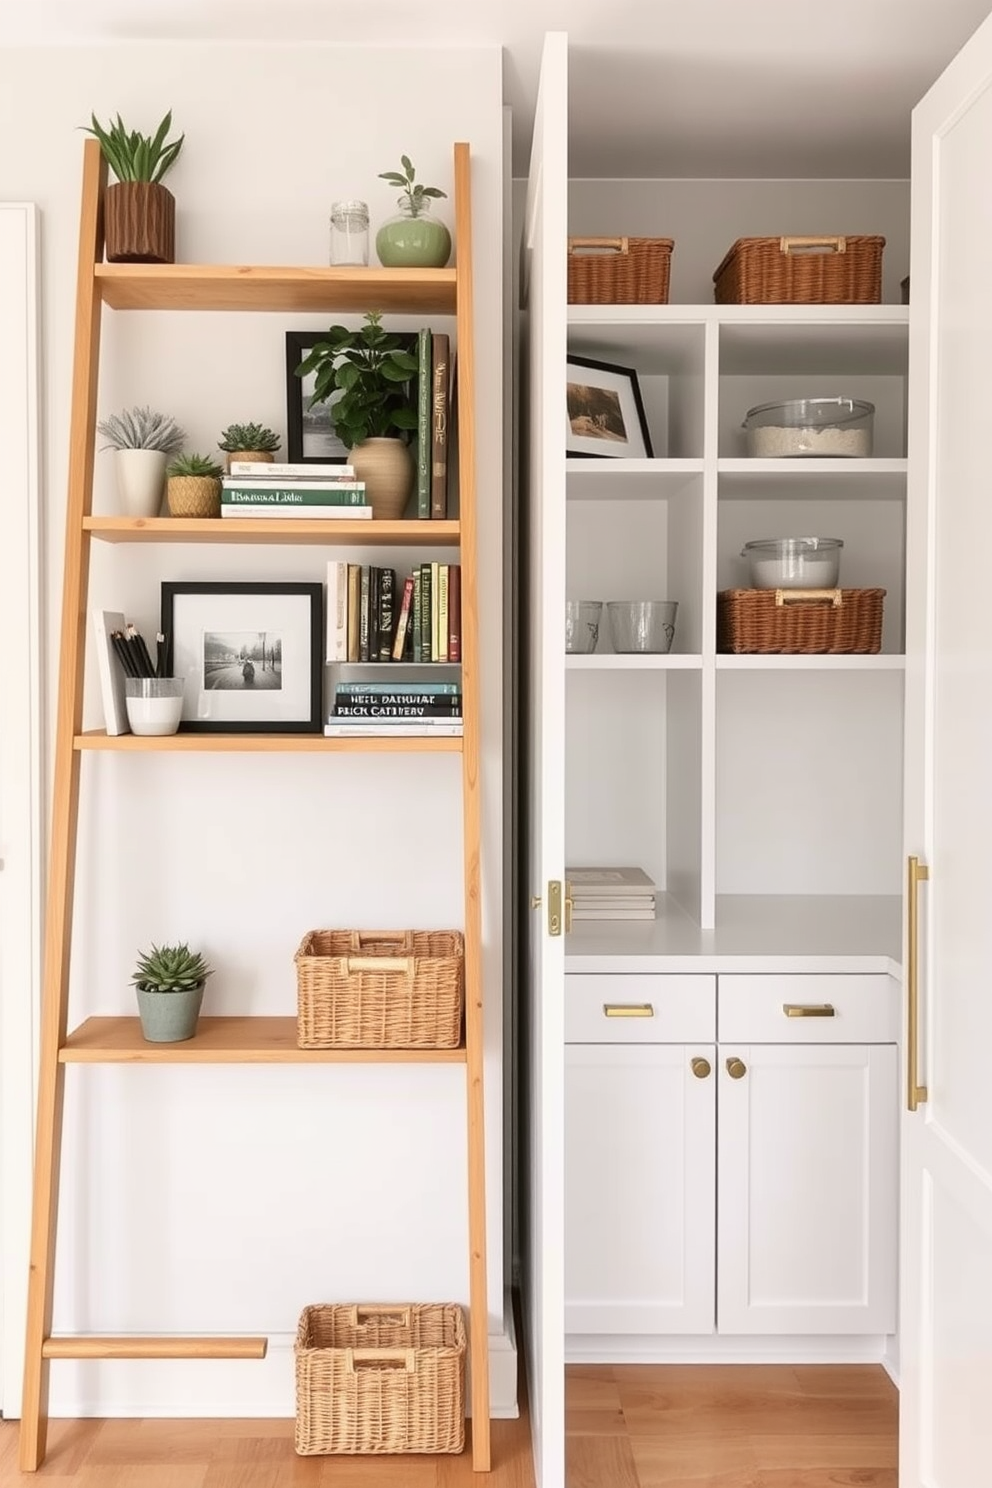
[[604, 414], [310, 436], [211, 630]]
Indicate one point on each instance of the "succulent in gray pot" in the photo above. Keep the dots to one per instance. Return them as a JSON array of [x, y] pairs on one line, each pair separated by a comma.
[[368, 378], [139, 213], [169, 982]]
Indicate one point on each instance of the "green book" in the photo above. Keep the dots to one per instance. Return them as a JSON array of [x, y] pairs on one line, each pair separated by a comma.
[[424, 422], [351, 493]]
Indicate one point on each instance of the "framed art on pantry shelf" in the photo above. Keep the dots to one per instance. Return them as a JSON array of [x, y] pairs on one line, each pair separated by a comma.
[[249, 655], [604, 412]]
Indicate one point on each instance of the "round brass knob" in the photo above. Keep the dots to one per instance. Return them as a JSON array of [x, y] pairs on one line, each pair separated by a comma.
[[700, 1067], [736, 1069]]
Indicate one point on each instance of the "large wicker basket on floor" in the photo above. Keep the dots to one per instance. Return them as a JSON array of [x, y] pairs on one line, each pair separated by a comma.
[[794, 621], [380, 1379], [380, 989], [801, 271], [619, 271]]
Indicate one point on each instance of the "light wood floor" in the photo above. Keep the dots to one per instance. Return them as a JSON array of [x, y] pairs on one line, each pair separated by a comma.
[[731, 1426], [635, 1426]]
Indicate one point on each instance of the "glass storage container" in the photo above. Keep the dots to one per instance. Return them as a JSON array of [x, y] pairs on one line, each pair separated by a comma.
[[794, 562], [812, 427]]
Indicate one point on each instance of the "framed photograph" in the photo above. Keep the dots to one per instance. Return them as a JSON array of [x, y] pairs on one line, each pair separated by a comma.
[[604, 412], [249, 655], [310, 434]]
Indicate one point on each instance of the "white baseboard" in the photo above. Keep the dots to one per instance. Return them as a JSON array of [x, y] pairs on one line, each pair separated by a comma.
[[240, 1389], [716, 1349], [890, 1358]]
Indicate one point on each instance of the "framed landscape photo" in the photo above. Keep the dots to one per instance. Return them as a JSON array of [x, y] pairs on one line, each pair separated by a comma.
[[310, 434], [604, 412], [249, 655]]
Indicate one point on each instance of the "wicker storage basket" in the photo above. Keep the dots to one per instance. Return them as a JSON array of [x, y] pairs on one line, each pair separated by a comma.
[[380, 989], [380, 1379], [801, 271], [619, 271], [799, 620]]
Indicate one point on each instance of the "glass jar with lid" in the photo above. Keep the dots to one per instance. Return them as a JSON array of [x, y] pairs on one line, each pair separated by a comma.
[[349, 233]]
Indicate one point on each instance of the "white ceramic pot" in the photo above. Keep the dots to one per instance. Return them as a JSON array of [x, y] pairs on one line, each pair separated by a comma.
[[140, 480]]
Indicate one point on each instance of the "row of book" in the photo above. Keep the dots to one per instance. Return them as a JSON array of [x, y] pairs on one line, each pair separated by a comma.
[[293, 490], [371, 616], [395, 710], [611, 893]]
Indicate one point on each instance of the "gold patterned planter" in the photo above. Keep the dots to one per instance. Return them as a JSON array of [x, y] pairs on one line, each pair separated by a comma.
[[193, 496]]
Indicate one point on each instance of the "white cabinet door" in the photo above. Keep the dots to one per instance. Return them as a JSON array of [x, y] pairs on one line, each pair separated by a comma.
[[640, 1156], [807, 1195], [946, 1226]]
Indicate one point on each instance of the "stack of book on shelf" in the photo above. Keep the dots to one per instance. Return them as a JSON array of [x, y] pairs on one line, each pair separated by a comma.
[[396, 709], [611, 894], [372, 615], [252, 489]]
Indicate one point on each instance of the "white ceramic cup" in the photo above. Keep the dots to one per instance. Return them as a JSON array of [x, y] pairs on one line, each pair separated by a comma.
[[154, 704]]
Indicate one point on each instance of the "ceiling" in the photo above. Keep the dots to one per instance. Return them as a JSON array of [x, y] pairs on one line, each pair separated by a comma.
[[698, 88]]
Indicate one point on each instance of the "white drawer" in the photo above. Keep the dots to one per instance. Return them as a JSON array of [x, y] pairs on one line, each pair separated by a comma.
[[635, 1009], [847, 1009]]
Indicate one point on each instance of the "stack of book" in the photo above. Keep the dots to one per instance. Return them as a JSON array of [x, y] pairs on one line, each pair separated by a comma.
[[611, 894], [251, 489], [374, 616], [395, 709]]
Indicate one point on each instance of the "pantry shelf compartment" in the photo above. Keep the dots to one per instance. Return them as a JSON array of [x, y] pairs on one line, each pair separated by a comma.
[[667, 356]]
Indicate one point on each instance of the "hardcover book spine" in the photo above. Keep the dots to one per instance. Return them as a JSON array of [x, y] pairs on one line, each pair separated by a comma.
[[387, 584], [363, 613], [440, 413], [403, 621], [435, 604], [347, 493], [375, 610], [421, 691], [424, 423], [442, 612], [455, 612], [417, 621], [394, 710], [274, 470], [354, 609], [425, 611], [337, 611]]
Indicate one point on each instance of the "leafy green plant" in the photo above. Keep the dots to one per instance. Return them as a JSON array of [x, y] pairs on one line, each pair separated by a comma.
[[142, 428], [249, 437], [134, 156], [370, 371], [414, 198], [194, 465], [170, 969]]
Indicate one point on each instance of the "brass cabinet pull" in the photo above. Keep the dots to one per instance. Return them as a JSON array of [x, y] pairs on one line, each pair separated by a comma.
[[701, 1067], [568, 907], [809, 1010], [918, 872], [736, 1069], [628, 1010]]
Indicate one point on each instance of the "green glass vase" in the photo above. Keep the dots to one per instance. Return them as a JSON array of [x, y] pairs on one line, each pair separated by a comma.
[[413, 242]]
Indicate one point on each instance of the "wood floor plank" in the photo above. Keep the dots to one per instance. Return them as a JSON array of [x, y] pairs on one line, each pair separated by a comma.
[[836, 1450], [831, 1477], [598, 1461], [695, 1460]]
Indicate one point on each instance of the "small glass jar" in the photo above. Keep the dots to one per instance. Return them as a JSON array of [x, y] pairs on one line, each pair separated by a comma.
[[349, 233]]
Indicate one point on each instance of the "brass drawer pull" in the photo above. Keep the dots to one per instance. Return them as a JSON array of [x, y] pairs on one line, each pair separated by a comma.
[[628, 1010], [809, 1010], [736, 1069], [701, 1067]]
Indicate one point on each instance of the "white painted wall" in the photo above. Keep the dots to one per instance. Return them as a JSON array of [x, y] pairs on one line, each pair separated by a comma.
[[227, 1198]]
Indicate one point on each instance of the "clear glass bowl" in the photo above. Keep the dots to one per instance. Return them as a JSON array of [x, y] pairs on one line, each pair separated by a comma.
[[642, 625], [793, 562], [824, 427], [582, 625]]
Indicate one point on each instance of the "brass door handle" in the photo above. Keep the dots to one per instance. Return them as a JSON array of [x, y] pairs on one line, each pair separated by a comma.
[[916, 1095], [701, 1067], [809, 1010], [628, 1010], [736, 1069], [568, 906]]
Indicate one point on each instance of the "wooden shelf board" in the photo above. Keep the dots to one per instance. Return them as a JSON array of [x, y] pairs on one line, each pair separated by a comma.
[[267, 743], [226, 1041], [271, 287], [331, 533]]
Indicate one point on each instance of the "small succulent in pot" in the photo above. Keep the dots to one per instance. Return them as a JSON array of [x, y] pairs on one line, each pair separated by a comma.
[[139, 212], [414, 238], [142, 428], [193, 487], [249, 442], [169, 982]]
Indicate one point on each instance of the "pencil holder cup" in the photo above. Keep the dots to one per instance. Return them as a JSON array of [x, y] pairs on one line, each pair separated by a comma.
[[154, 704]]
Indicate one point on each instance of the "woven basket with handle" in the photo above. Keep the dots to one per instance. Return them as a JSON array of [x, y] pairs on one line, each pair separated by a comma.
[[801, 271], [799, 620], [380, 989], [380, 1378], [619, 271]]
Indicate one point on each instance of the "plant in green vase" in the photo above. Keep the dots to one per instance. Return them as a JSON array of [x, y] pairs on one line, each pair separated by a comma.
[[169, 983], [139, 212], [368, 379], [142, 440], [193, 487], [413, 238], [250, 442]]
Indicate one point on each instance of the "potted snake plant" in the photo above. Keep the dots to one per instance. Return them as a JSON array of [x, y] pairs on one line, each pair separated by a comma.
[[169, 982], [139, 213]]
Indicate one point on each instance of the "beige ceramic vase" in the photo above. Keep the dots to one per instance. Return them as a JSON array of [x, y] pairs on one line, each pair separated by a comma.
[[386, 467], [193, 496]]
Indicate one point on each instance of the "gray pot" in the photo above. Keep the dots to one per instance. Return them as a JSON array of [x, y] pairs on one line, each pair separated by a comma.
[[169, 1017]]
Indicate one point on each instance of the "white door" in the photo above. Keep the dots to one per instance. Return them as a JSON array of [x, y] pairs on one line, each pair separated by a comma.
[[640, 1189], [543, 735], [20, 773], [946, 1223], [807, 1191]]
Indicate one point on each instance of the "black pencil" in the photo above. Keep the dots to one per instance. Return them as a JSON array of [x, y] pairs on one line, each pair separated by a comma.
[[123, 653], [147, 670], [160, 654]]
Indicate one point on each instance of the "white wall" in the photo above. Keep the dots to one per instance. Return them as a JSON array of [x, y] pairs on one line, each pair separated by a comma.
[[227, 1198]]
